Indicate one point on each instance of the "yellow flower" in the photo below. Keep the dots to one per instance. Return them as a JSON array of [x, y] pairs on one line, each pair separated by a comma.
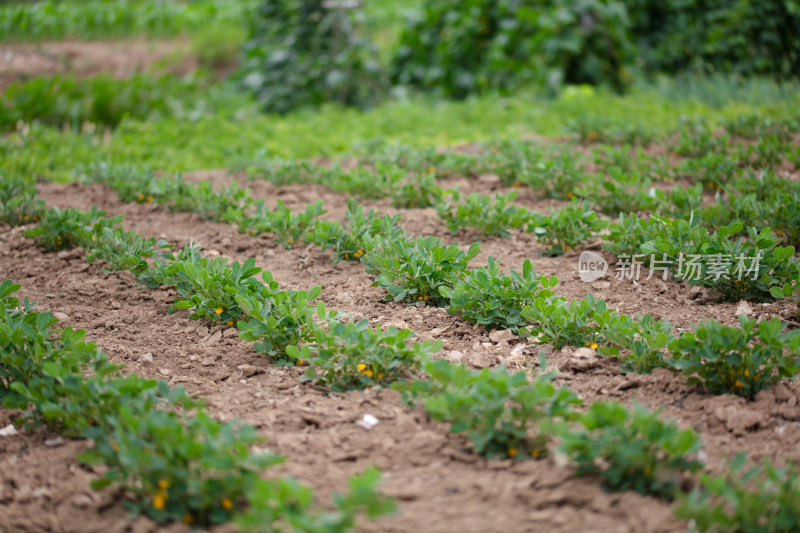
[[419, 298], [361, 367], [229, 322], [26, 217], [220, 310], [516, 185], [299, 361], [163, 484], [592, 135], [141, 197], [380, 376], [149, 199], [738, 383], [535, 453], [512, 452], [593, 346], [347, 256], [368, 373], [159, 500], [227, 504], [94, 238], [746, 373], [114, 446]]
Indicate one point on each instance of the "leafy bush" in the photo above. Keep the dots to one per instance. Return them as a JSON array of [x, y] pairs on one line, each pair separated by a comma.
[[503, 414], [762, 498], [632, 450], [736, 360], [307, 52], [351, 355], [737, 36], [457, 48], [415, 270], [495, 300]]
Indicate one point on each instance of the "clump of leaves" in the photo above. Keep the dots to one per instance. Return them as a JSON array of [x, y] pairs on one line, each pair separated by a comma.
[[27, 347], [352, 240], [414, 271], [135, 184], [289, 228], [740, 360], [762, 498], [180, 468], [503, 414], [564, 323], [207, 288], [351, 355], [286, 500], [417, 192], [632, 450], [275, 319], [495, 300], [19, 203], [61, 229], [642, 337], [307, 52], [567, 228], [490, 216]]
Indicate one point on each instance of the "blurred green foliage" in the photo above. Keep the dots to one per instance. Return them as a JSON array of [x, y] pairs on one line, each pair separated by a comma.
[[457, 47], [95, 19], [104, 101], [307, 52], [733, 36]]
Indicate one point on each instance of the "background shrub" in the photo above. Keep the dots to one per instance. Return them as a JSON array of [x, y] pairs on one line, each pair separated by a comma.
[[461, 47], [737, 36], [306, 52]]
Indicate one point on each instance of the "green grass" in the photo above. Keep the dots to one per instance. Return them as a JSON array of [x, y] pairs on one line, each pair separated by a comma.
[[231, 137], [97, 19]]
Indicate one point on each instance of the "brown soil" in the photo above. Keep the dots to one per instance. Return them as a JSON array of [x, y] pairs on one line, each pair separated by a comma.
[[119, 59], [439, 484]]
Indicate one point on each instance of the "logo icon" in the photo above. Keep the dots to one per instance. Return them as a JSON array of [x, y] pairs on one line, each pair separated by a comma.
[[591, 266]]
